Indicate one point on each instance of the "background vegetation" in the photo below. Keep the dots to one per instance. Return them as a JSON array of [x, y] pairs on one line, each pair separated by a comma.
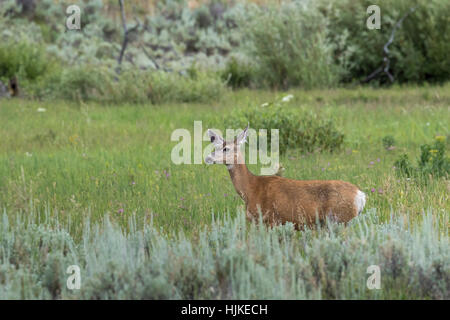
[[94, 186], [85, 170], [216, 43]]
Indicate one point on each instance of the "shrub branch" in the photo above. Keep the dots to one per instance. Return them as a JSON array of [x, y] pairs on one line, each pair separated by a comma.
[[386, 61], [125, 34]]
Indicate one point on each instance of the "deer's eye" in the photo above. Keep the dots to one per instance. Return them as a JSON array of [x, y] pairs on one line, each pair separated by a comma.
[[226, 149]]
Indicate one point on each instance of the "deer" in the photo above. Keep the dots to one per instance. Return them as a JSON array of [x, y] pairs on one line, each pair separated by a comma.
[[279, 200]]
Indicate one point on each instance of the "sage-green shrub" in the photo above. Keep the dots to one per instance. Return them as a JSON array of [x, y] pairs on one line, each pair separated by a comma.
[[289, 46], [101, 83], [23, 59], [230, 259], [238, 74], [303, 130]]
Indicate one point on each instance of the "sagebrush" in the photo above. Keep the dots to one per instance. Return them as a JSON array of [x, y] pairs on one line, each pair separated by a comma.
[[228, 260]]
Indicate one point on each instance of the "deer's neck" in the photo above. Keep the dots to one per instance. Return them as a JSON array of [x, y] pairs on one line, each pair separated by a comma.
[[242, 179]]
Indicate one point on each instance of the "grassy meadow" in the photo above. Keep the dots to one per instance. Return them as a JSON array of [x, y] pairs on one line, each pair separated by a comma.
[[83, 159], [82, 182]]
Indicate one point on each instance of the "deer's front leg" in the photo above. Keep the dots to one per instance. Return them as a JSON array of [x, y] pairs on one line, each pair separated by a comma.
[[250, 217]]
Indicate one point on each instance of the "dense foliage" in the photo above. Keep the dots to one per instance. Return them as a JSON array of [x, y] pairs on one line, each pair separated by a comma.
[[303, 130], [433, 161], [289, 47], [418, 52], [228, 260], [293, 43]]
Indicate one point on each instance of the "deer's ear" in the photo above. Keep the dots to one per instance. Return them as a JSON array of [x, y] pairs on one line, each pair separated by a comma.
[[215, 138], [242, 137]]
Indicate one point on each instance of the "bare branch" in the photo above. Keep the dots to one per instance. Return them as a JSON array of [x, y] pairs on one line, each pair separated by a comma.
[[126, 33], [386, 61]]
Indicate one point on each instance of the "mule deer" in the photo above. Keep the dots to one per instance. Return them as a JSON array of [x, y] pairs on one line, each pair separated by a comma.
[[281, 200]]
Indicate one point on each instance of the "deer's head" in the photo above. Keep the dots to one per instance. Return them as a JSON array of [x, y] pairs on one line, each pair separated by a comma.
[[226, 152]]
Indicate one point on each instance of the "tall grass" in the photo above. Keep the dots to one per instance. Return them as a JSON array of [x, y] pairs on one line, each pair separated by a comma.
[[116, 160], [227, 260]]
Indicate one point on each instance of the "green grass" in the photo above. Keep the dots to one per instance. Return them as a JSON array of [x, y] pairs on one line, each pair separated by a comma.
[[77, 167], [80, 160]]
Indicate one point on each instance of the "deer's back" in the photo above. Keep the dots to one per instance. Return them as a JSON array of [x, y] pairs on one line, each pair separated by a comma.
[[300, 201]]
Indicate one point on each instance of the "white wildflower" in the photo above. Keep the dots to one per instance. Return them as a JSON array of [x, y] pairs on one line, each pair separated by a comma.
[[41, 110], [287, 98]]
